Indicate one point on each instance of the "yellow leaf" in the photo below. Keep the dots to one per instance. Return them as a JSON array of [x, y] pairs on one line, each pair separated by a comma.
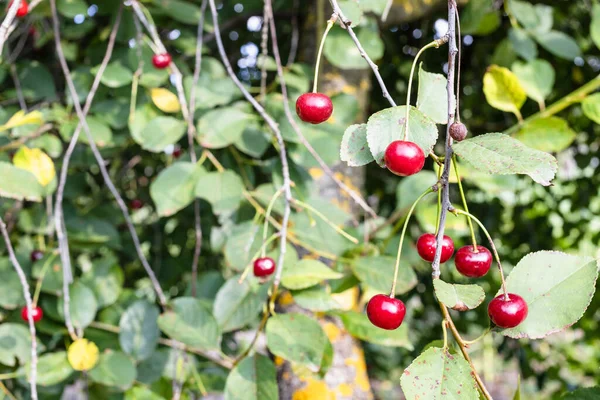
[[37, 162], [82, 355], [20, 118], [503, 90], [165, 100]]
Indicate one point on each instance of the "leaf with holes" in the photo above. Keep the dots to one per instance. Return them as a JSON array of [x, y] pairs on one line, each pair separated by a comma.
[[432, 98], [388, 125], [437, 374], [255, 378], [355, 149], [550, 134], [557, 287], [459, 297], [496, 153], [503, 90], [378, 272]]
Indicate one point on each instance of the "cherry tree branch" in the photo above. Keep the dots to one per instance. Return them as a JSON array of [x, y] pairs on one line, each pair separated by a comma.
[[8, 20], [282, 149], [101, 162], [29, 302]]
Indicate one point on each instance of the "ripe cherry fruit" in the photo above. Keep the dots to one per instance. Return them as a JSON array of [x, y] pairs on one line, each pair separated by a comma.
[[404, 158], [458, 131], [36, 255], [23, 8], [385, 312], [427, 244], [263, 267], [177, 152], [136, 204], [161, 61], [471, 263], [507, 313], [36, 314], [314, 107]]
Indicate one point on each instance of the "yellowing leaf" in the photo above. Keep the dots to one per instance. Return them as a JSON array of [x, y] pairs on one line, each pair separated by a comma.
[[37, 162], [503, 90], [165, 100], [82, 355], [20, 118]]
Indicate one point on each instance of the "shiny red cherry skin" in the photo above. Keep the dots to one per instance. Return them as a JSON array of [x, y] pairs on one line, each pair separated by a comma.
[[508, 313], [177, 152], [471, 263], [404, 158], [36, 313], [385, 312], [36, 255], [426, 245], [23, 8], [161, 61], [136, 204], [263, 267], [314, 107]]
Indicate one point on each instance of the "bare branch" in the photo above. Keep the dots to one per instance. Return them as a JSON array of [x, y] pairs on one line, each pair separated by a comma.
[[101, 163], [29, 302], [10, 17]]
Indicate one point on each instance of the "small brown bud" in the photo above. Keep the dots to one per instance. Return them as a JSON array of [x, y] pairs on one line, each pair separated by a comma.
[[458, 131]]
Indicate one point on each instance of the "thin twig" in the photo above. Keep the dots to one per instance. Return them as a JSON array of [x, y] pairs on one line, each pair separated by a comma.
[[386, 10], [17, 81], [295, 35], [264, 52], [10, 17], [21, 141], [29, 302], [101, 163]]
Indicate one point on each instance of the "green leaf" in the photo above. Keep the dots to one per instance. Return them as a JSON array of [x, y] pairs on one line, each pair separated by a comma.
[[496, 153], [71, 8], [536, 18], [437, 374], [52, 368], [242, 243], [557, 287], [141, 393], [159, 133], [591, 107], [253, 141], [388, 125], [221, 127], [83, 305], [307, 273], [238, 304], [37, 83], [298, 339], [114, 369], [378, 273], [191, 323], [315, 299], [174, 187], [536, 77], [116, 75], [550, 134], [19, 184], [411, 187], [212, 91], [352, 10], [522, 43], [560, 44], [432, 98], [359, 326], [503, 90], [459, 297], [105, 278], [255, 378], [595, 25], [15, 344], [479, 18], [223, 190], [138, 330], [10, 287], [354, 149], [99, 130], [181, 11], [341, 51], [591, 393]]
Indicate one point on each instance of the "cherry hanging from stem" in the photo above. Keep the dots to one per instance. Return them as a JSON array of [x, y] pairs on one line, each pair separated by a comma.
[[318, 64]]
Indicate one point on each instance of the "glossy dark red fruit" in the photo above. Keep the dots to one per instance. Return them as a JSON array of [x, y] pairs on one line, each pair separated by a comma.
[[23, 8], [161, 61], [471, 263], [314, 107], [426, 246], [136, 204], [264, 266], [508, 313], [36, 255], [177, 152], [36, 313], [385, 312], [404, 158]]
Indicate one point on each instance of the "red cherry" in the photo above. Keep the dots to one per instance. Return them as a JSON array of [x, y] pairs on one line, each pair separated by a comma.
[[427, 244], [36, 313], [264, 266], [36, 255], [161, 61], [473, 264], [385, 312], [23, 8], [136, 204], [507, 313], [314, 107], [404, 158], [177, 152]]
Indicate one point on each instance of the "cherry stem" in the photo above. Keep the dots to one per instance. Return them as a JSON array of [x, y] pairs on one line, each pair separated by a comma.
[[267, 215], [38, 286], [259, 252], [459, 56], [439, 203], [328, 221], [397, 265], [487, 234], [436, 44], [464, 201], [318, 64], [444, 329], [470, 342]]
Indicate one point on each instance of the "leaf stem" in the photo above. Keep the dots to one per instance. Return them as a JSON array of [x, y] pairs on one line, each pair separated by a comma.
[[330, 23], [326, 220], [464, 201], [267, 215], [38, 286]]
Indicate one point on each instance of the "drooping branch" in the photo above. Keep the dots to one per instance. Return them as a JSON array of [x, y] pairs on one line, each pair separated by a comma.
[[100, 160], [29, 303]]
